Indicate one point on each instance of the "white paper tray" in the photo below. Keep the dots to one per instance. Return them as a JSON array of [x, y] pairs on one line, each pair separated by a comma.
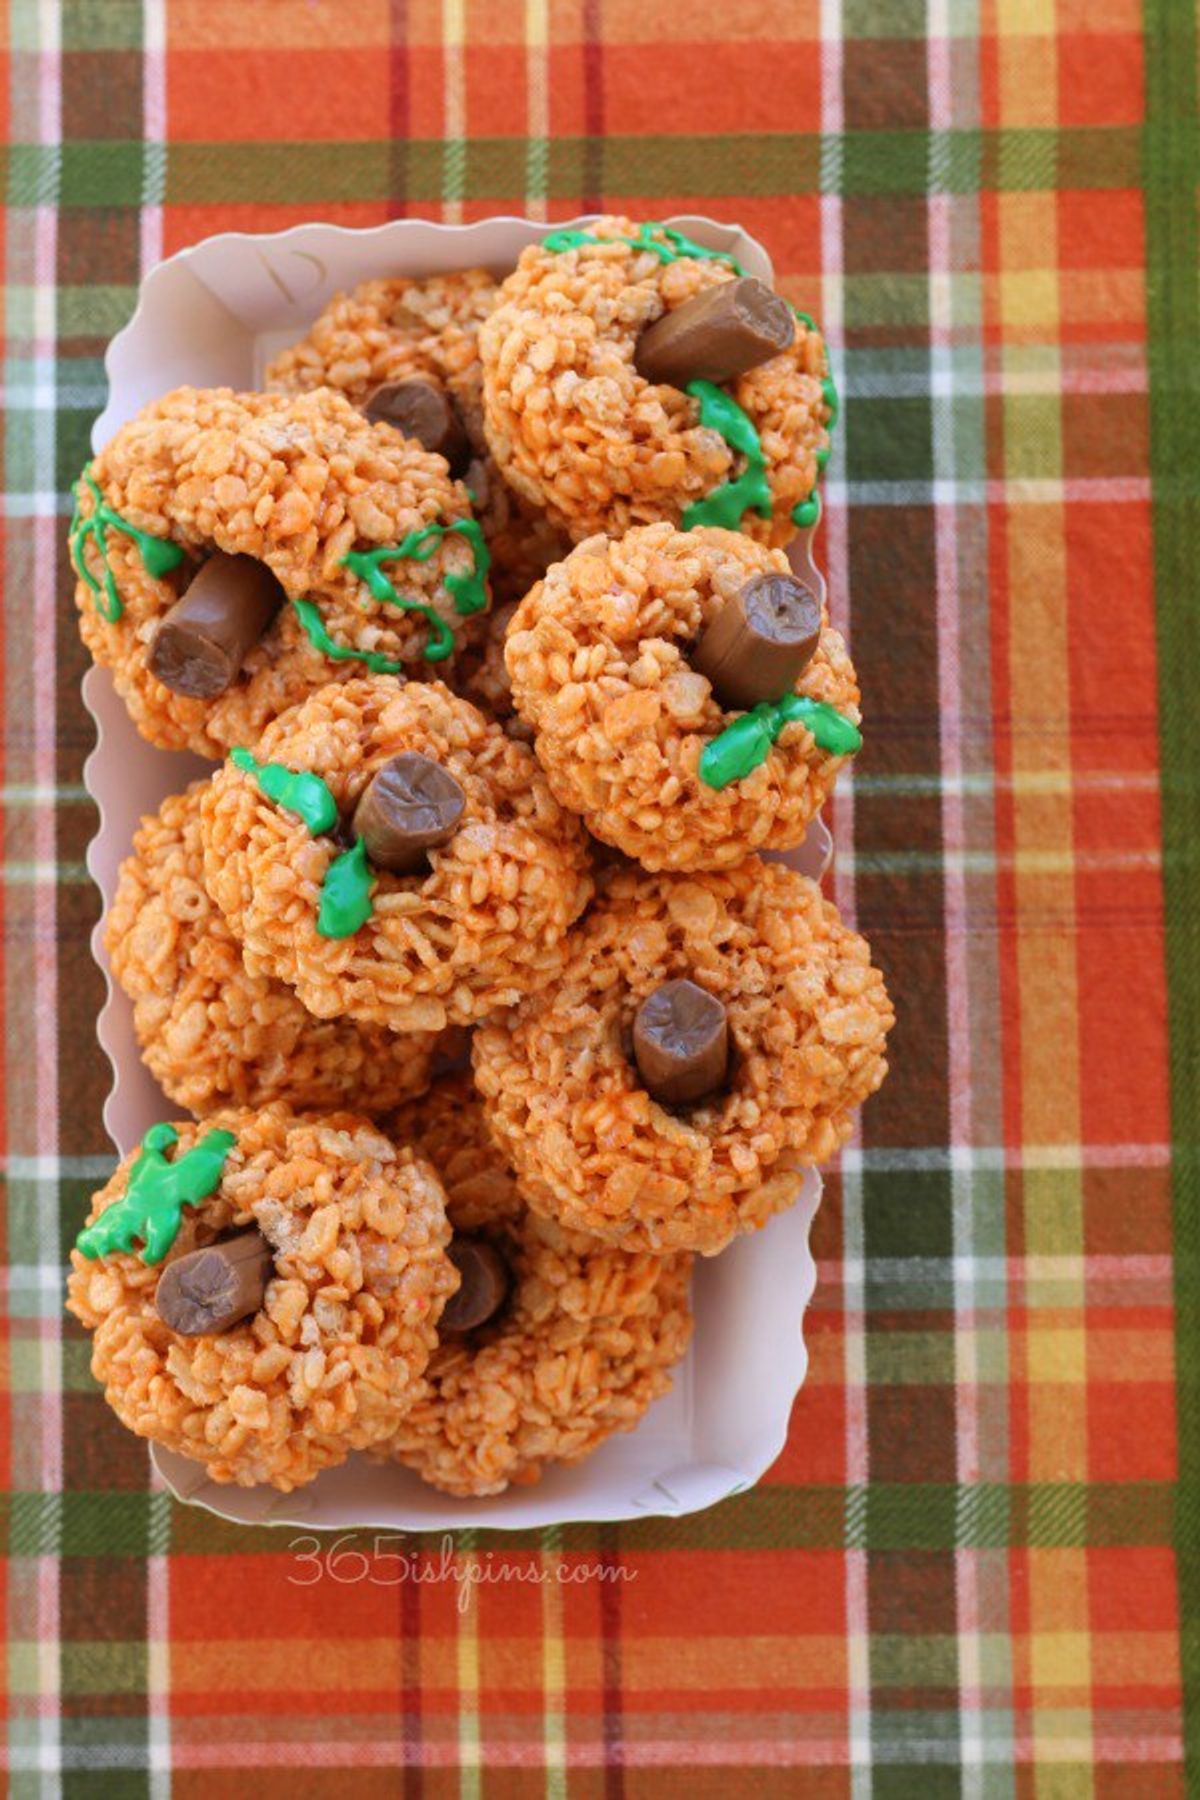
[[214, 315]]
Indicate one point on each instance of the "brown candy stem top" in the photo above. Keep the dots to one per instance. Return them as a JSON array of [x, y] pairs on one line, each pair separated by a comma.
[[681, 1043], [408, 807], [202, 641], [761, 641], [485, 1283], [209, 1290], [419, 408], [716, 335]]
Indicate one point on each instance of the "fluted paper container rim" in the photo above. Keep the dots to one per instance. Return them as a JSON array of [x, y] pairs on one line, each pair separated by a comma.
[[213, 315]]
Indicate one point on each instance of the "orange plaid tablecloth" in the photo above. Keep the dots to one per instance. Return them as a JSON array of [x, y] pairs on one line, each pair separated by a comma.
[[968, 1571]]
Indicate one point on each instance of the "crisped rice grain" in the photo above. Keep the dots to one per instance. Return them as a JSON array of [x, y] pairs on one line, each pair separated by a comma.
[[297, 481], [284, 1394], [808, 1017], [585, 1341], [484, 926], [212, 1034], [597, 655], [574, 427]]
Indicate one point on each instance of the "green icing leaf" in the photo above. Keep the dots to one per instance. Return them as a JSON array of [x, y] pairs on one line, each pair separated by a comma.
[[345, 894], [719, 411], [151, 1208], [743, 746], [296, 790], [159, 555], [314, 627], [345, 901], [807, 512], [829, 394]]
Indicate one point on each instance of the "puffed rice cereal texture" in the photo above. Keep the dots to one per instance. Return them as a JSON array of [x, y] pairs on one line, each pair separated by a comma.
[[586, 1340], [575, 428], [597, 655], [390, 330], [808, 1016], [339, 1348], [486, 925], [298, 481], [212, 1034]]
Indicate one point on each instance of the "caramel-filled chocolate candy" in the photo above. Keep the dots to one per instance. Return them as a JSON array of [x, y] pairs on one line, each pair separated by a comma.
[[761, 641], [209, 1290], [717, 334], [202, 642], [485, 1282], [681, 1043], [408, 807], [420, 409]]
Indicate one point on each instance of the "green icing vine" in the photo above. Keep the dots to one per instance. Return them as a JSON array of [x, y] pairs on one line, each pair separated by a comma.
[[365, 564], [829, 391], [151, 1208], [807, 512], [345, 893], [296, 790], [726, 504], [745, 744], [159, 555], [467, 589], [677, 246], [314, 627]]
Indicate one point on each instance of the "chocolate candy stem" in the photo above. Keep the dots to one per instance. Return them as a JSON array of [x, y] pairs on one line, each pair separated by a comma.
[[419, 408], [485, 1283], [760, 641], [681, 1043], [211, 1289], [408, 807], [717, 334], [202, 642]]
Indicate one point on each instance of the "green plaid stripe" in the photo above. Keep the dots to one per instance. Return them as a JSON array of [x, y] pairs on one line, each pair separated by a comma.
[[104, 173], [1172, 246]]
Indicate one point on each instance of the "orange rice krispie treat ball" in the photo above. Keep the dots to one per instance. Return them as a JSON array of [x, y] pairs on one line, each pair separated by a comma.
[[408, 352], [393, 330], [608, 418], [553, 1342], [709, 1037], [394, 857], [687, 696], [264, 1289], [212, 1034], [235, 551]]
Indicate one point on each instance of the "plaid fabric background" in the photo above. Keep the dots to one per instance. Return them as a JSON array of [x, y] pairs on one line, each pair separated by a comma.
[[967, 1574]]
